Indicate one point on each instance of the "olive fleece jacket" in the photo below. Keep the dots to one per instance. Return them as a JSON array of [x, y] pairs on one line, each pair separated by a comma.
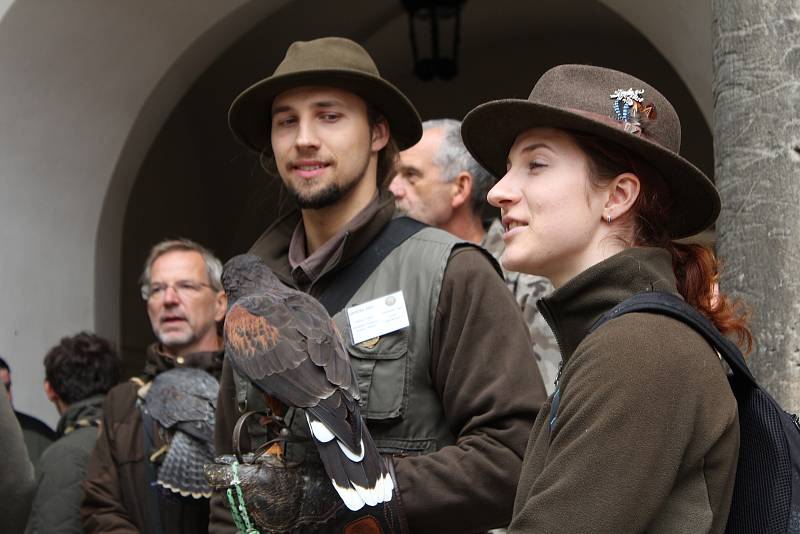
[[647, 433], [483, 370]]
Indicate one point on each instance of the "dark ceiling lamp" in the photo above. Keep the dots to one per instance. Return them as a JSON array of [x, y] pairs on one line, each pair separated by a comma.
[[435, 30]]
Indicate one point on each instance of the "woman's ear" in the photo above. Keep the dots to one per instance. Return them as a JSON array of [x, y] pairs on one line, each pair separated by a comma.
[[622, 194]]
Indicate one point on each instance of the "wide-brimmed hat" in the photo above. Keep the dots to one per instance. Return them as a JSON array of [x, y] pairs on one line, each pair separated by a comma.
[[333, 62], [612, 105]]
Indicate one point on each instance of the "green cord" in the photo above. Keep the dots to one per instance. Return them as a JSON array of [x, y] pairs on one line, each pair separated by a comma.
[[238, 508]]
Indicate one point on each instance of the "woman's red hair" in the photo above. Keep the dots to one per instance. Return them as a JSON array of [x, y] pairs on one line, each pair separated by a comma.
[[696, 266]]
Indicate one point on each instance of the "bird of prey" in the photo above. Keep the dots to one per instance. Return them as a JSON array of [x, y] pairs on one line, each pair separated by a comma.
[[286, 344], [182, 401]]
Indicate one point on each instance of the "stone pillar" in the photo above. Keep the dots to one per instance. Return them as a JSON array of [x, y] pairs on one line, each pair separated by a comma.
[[756, 62]]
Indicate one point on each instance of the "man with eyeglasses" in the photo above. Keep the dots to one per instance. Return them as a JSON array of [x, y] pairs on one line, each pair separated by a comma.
[[185, 303]]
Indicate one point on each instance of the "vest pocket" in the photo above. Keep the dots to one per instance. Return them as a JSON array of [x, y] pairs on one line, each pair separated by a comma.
[[381, 367]]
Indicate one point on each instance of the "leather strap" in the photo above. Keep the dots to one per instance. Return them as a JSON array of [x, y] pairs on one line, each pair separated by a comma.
[[673, 306], [237, 432], [349, 279]]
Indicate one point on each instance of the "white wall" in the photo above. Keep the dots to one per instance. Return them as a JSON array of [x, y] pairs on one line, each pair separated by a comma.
[[82, 78], [4, 5]]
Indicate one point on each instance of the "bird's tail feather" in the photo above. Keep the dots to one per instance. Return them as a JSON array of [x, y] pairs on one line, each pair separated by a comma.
[[359, 477], [183, 469]]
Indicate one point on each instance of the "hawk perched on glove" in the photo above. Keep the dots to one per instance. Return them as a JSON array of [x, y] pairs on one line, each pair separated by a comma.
[[286, 344], [182, 401]]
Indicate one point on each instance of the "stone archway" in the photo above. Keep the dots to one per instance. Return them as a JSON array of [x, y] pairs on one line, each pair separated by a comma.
[[225, 200]]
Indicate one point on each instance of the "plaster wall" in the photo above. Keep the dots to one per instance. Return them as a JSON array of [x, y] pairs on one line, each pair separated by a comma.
[[86, 86], [4, 5]]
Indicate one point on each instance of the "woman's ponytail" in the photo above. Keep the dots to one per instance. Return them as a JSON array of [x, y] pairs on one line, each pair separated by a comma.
[[697, 273]]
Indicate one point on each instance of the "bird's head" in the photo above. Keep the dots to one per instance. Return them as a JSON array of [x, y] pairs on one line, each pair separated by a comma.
[[245, 275]]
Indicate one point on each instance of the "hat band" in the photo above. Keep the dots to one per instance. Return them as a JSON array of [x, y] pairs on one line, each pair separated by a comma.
[[631, 126]]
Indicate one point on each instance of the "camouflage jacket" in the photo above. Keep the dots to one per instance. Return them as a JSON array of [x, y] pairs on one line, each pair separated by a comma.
[[527, 289]]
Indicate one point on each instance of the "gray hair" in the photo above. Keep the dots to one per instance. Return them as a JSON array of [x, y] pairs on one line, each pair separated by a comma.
[[213, 265], [453, 158]]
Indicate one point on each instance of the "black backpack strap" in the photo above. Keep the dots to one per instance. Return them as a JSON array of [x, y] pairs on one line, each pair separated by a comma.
[[673, 306], [337, 294]]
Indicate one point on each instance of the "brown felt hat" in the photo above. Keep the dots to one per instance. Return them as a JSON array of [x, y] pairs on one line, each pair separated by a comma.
[[329, 61], [611, 105]]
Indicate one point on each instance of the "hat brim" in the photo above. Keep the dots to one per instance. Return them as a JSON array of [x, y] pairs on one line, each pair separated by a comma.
[[490, 130], [249, 115]]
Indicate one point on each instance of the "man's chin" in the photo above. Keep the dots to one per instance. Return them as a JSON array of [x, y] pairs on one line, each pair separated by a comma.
[[399, 210], [175, 340]]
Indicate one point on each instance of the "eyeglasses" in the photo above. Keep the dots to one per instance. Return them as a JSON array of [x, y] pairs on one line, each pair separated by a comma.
[[184, 288]]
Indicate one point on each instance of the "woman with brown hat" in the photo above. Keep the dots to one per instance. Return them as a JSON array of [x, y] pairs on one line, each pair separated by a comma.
[[642, 432]]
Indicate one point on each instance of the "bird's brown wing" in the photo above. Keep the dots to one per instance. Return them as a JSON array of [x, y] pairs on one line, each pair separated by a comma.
[[324, 342], [286, 350]]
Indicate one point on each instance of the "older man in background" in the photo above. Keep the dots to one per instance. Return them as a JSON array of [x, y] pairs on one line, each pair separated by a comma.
[[439, 183], [185, 302]]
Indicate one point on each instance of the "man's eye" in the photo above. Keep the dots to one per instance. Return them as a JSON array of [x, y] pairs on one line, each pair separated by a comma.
[[188, 286], [330, 117], [155, 290], [284, 121]]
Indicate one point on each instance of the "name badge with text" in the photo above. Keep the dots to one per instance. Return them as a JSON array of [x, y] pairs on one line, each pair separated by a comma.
[[377, 317]]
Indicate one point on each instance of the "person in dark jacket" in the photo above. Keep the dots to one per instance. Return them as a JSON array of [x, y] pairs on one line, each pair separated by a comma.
[[79, 371], [185, 302], [17, 482], [642, 431], [38, 436]]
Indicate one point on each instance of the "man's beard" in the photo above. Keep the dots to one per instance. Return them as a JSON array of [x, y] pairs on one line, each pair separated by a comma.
[[330, 194], [176, 340], [400, 210]]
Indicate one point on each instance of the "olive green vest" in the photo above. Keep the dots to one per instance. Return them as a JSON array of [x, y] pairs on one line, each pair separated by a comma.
[[398, 399]]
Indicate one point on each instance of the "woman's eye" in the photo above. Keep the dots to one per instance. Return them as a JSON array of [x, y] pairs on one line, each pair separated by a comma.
[[536, 164]]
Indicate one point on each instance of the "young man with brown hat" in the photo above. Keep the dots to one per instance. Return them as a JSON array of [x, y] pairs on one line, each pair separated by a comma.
[[449, 389]]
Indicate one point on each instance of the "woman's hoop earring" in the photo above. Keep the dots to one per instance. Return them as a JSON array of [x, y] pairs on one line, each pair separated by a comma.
[[608, 218]]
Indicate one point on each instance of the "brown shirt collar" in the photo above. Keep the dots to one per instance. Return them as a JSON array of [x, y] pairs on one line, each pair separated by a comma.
[[307, 269], [275, 243]]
